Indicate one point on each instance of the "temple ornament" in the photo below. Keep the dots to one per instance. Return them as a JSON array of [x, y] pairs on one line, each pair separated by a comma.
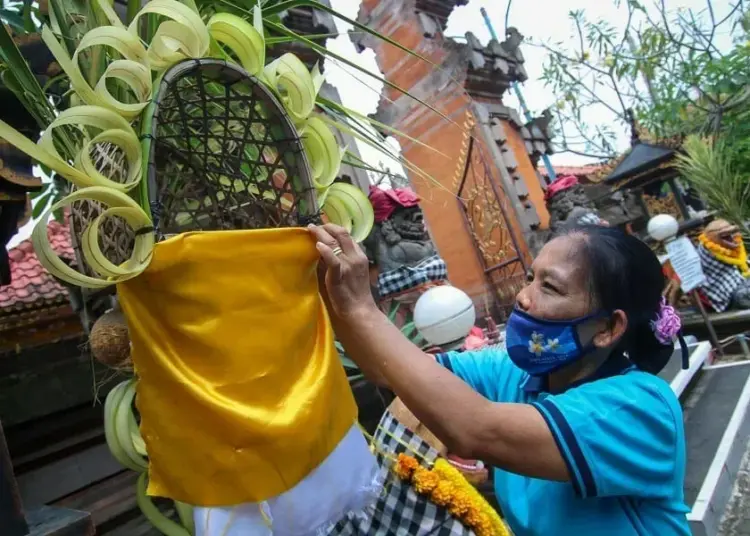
[[724, 261]]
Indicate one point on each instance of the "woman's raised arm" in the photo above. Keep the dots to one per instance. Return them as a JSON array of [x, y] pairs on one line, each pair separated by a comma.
[[512, 436]]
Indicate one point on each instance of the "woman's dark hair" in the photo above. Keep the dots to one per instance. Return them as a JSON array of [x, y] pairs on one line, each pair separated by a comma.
[[625, 274]]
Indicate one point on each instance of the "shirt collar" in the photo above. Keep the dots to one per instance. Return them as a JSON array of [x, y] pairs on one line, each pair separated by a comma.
[[611, 367]]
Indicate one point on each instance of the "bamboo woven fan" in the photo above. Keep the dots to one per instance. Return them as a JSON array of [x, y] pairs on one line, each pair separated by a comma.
[[222, 154]]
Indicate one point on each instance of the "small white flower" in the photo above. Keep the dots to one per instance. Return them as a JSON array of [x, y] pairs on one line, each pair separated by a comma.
[[536, 348]]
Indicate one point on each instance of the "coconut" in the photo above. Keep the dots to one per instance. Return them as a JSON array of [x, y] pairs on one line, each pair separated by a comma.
[[109, 340]]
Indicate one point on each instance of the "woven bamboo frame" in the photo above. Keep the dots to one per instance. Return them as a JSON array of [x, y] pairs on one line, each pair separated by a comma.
[[222, 155]]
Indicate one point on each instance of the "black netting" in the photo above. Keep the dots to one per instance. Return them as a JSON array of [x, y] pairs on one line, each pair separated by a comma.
[[224, 154]]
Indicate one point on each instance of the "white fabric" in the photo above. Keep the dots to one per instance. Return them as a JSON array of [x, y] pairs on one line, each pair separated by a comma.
[[347, 481]]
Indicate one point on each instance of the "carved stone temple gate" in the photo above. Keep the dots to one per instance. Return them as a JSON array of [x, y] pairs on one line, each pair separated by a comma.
[[482, 198]]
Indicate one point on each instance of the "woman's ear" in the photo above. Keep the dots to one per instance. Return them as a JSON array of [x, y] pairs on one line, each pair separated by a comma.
[[614, 328]]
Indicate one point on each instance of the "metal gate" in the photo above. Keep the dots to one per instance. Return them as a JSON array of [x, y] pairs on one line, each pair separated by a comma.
[[487, 212]]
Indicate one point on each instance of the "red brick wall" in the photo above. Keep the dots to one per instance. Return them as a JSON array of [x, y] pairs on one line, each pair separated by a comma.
[[443, 214]]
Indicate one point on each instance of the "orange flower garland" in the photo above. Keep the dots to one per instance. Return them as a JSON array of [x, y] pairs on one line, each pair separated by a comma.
[[736, 257], [445, 486]]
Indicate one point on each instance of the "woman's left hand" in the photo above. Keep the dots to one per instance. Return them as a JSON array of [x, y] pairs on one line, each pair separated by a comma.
[[347, 271]]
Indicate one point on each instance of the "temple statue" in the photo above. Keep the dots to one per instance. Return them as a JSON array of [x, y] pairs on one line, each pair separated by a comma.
[[400, 247], [569, 206], [724, 262]]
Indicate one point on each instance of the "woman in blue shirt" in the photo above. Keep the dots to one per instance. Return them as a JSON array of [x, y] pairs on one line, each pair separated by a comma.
[[584, 437]]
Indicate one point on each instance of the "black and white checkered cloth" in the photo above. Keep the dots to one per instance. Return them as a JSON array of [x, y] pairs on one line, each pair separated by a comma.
[[408, 277], [400, 511], [722, 280]]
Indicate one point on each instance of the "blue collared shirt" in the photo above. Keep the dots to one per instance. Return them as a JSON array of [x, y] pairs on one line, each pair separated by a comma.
[[621, 435]]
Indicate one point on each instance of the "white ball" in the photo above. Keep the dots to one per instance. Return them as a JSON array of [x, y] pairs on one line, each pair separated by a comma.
[[444, 315], [662, 226]]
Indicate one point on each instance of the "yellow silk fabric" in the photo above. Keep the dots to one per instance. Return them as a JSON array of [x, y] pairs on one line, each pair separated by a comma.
[[241, 391]]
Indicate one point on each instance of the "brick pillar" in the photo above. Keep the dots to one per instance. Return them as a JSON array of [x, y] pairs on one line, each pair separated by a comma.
[[467, 89]]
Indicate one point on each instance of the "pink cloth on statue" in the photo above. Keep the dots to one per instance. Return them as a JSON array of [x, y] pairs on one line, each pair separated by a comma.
[[563, 183], [384, 202]]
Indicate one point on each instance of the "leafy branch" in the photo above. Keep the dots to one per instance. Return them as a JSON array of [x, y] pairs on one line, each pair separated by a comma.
[[665, 66]]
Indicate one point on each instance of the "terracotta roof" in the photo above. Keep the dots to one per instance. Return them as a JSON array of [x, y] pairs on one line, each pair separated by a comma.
[[32, 287], [578, 171]]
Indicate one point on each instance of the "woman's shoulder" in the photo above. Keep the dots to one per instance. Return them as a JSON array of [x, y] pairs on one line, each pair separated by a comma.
[[635, 388]]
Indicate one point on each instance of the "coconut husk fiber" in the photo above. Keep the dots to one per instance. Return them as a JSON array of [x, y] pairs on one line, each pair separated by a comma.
[[110, 341]]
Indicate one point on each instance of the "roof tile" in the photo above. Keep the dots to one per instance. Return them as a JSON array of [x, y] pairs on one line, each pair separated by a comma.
[[31, 285], [578, 171]]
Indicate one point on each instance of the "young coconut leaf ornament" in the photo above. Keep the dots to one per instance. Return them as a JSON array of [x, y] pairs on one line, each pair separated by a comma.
[[188, 156]]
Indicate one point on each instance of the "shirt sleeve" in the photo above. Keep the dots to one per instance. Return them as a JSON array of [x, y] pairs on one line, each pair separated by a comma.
[[617, 436], [488, 371]]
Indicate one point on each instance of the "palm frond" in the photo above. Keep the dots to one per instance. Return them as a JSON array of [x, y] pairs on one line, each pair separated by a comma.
[[707, 165]]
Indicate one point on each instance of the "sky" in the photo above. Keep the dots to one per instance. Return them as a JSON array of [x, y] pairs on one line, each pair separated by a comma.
[[537, 19], [540, 20]]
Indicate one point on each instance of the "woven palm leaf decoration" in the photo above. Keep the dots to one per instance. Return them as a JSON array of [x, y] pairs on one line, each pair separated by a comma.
[[211, 138], [222, 154], [116, 238]]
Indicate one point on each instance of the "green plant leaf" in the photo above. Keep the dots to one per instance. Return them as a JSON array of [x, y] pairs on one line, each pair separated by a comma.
[[324, 51], [59, 215], [348, 363], [408, 329], [61, 21], [329, 105], [40, 192], [133, 7], [13, 19], [28, 22], [270, 41], [41, 205], [395, 306]]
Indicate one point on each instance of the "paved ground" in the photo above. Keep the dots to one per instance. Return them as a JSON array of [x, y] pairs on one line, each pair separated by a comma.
[[736, 520]]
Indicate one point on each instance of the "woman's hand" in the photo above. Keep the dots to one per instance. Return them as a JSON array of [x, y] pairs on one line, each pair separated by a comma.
[[347, 271]]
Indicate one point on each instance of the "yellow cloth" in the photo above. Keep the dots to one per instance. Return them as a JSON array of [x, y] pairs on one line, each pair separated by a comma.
[[241, 392]]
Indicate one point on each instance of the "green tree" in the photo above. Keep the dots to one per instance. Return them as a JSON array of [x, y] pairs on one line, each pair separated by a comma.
[[677, 73], [668, 67]]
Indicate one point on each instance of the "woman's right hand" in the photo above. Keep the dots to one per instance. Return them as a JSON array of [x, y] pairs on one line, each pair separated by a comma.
[[347, 271]]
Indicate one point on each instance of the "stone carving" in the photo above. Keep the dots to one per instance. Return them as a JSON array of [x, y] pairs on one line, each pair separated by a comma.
[[724, 261], [512, 43], [537, 137], [569, 205], [401, 237], [402, 240], [400, 246], [496, 60]]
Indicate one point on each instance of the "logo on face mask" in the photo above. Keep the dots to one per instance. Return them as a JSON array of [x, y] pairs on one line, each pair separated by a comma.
[[539, 346]]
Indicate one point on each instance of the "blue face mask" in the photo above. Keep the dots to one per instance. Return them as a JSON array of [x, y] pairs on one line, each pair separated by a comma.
[[539, 346]]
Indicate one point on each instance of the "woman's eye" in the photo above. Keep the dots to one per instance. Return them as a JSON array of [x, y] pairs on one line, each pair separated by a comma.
[[549, 287], [529, 277]]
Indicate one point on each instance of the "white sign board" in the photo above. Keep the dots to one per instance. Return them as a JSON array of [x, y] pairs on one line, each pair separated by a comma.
[[686, 263]]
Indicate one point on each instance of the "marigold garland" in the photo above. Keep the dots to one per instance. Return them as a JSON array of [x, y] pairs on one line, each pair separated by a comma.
[[445, 486], [735, 257]]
